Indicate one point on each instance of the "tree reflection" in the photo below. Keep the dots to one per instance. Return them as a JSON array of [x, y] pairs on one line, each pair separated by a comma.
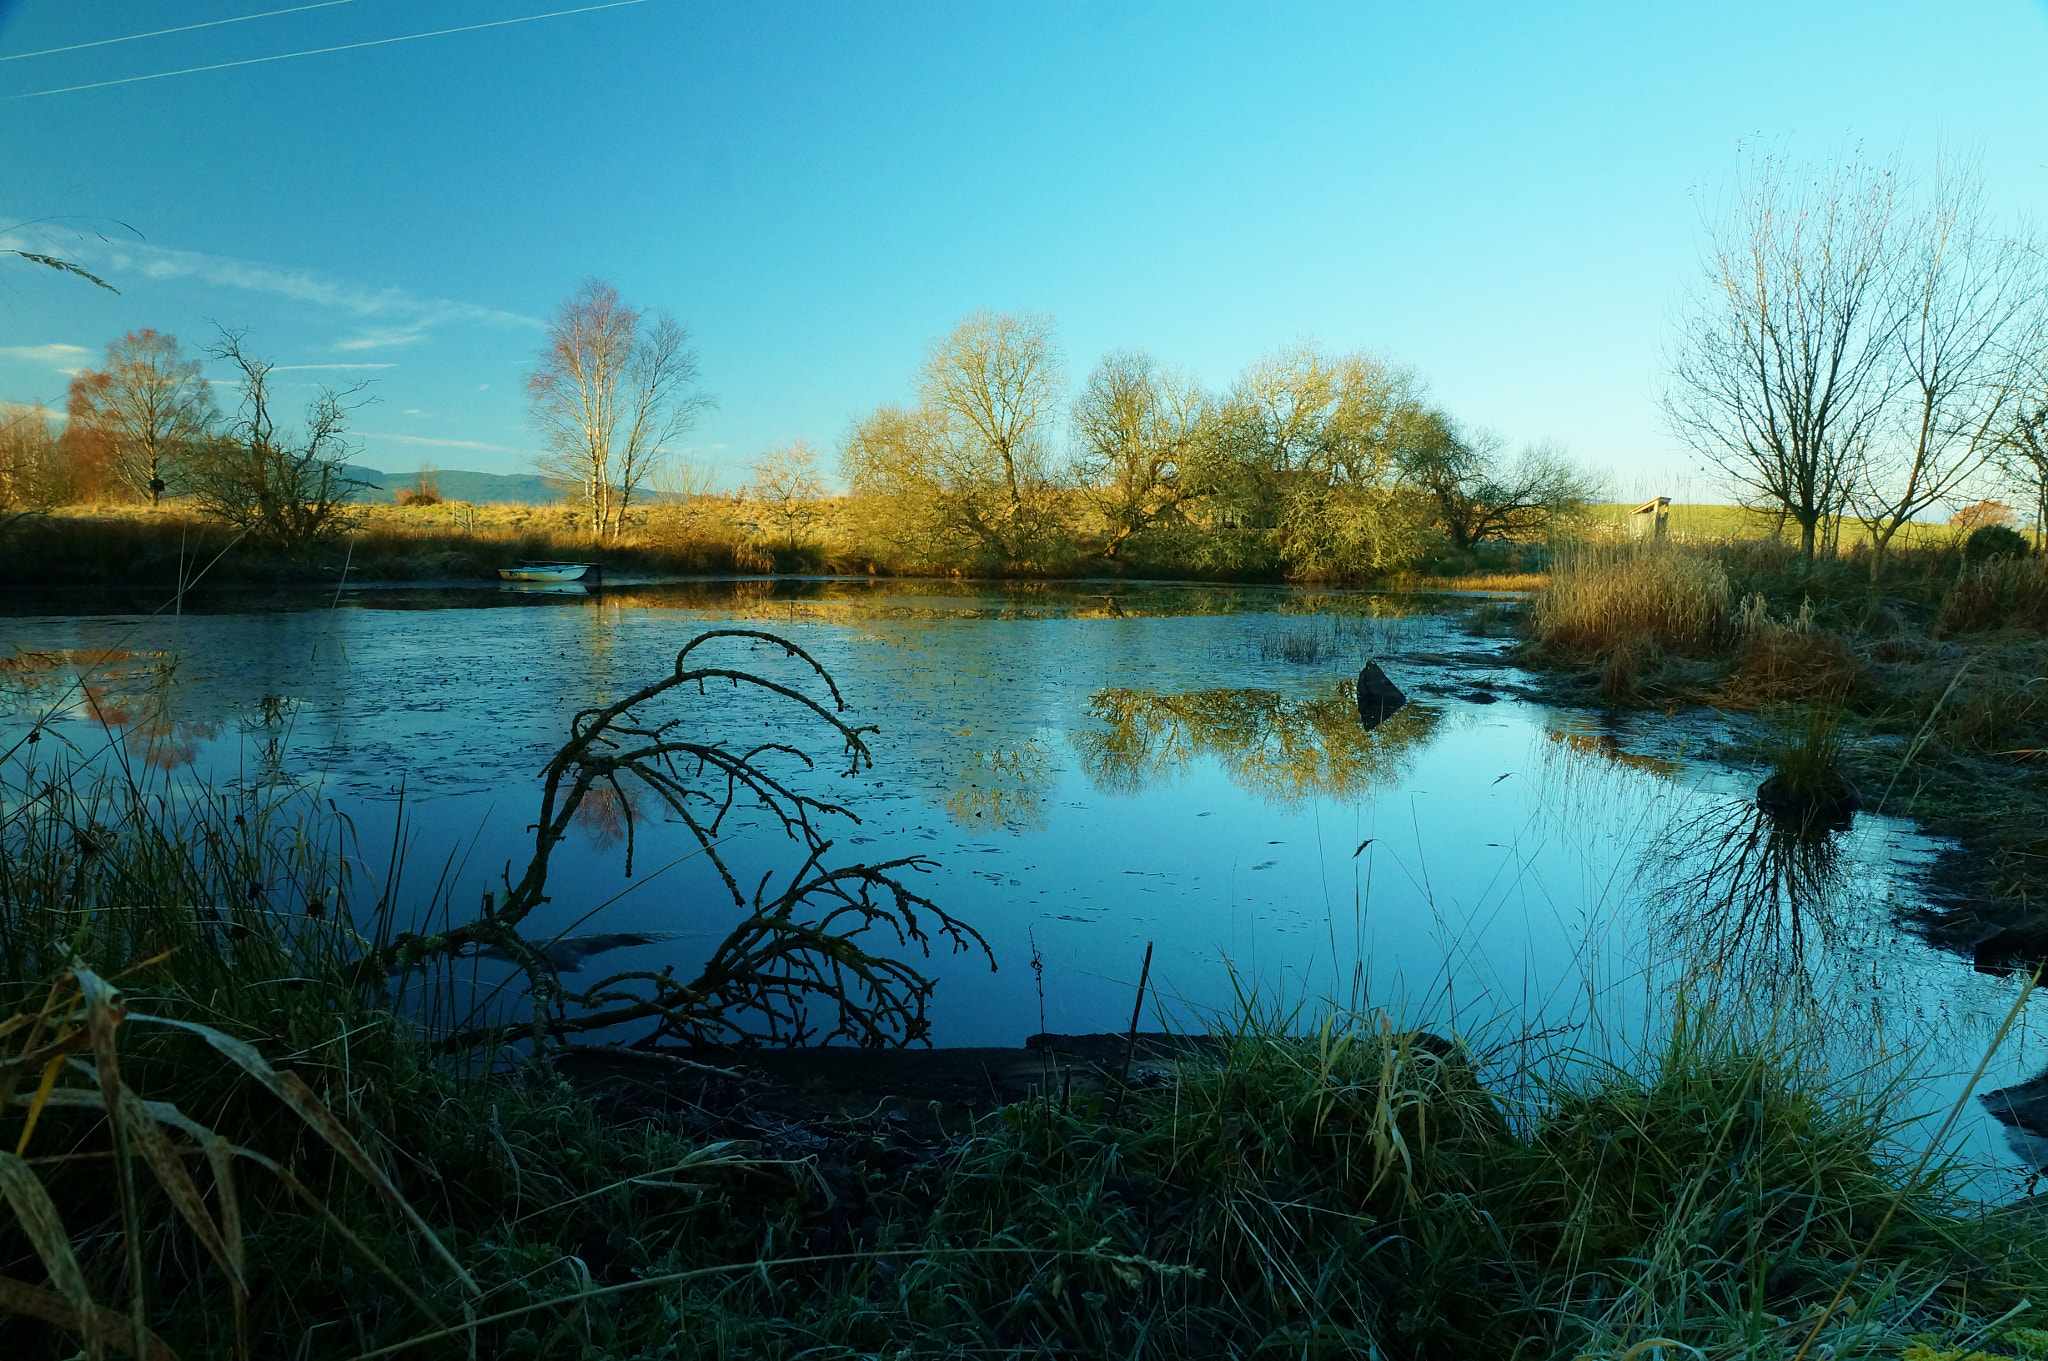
[[1281, 749], [1004, 787], [1751, 903]]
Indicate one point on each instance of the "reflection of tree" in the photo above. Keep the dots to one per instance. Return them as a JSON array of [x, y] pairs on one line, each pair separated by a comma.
[[1605, 746], [127, 693], [1004, 788], [142, 717], [605, 812], [1751, 904], [1281, 749]]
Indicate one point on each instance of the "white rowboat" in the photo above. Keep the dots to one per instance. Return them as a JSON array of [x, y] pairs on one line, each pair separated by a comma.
[[549, 571]]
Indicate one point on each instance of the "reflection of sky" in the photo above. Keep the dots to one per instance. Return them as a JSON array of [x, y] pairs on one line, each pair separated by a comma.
[[1478, 865]]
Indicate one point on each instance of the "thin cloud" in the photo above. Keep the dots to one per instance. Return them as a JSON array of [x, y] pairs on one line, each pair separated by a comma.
[[384, 337], [290, 368], [438, 443], [396, 316], [45, 354]]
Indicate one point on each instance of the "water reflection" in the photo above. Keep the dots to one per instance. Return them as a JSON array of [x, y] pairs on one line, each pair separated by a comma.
[[1280, 748], [1005, 787], [1607, 747], [1752, 905], [1539, 866], [129, 695]]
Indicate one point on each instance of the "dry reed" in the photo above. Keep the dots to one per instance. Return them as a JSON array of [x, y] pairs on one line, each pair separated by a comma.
[[2001, 593], [1601, 598]]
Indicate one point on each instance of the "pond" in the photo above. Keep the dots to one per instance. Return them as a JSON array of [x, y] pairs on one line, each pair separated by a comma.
[[1090, 769]]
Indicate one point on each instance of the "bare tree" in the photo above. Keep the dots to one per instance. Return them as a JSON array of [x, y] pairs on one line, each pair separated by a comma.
[[612, 392], [2022, 449], [788, 488], [291, 488], [31, 471], [1147, 445], [1784, 370], [1476, 495], [1965, 294], [1312, 447], [998, 376], [969, 469], [150, 406]]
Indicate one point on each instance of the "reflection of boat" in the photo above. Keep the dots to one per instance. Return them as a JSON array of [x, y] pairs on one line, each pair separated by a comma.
[[545, 587], [551, 571]]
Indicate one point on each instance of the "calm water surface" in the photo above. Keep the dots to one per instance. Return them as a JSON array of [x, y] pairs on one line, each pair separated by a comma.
[[1090, 772]]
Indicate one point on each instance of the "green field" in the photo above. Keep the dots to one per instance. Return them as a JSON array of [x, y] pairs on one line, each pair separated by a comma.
[[1713, 522]]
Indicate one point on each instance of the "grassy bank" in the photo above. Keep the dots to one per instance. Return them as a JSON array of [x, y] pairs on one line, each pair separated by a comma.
[[315, 1152], [1355, 1190], [1935, 679], [140, 546]]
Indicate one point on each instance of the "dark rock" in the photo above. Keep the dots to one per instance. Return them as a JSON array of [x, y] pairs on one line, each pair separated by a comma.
[[1481, 697], [2007, 949], [2023, 1110], [1378, 697]]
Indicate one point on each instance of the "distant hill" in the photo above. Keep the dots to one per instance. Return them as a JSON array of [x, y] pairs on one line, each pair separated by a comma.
[[457, 485]]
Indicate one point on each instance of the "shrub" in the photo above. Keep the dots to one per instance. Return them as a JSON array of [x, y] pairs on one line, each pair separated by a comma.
[[1994, 541]]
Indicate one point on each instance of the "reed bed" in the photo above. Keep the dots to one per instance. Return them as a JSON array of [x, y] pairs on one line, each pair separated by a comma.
[[1604, 598]]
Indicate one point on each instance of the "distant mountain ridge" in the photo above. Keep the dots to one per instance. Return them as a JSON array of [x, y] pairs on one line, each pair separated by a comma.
[[457, 485]]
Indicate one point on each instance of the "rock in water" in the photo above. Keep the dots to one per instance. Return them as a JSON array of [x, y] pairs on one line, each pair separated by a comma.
[[1377, 696], [2023, 1110]]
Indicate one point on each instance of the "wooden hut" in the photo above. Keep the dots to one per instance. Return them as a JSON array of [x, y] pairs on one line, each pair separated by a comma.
[[1650, 520]]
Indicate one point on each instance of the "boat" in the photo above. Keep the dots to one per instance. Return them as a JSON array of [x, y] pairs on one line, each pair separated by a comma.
[[550, 571]]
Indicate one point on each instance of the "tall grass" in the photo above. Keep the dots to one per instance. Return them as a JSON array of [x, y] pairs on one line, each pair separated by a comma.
[[2001, 593], [1602, 598]]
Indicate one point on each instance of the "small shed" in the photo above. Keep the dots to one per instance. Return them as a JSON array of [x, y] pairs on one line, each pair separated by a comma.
[[1650, 520]]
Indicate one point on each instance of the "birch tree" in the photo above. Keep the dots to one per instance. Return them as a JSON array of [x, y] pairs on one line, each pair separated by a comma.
[[150, 407], [1784, 368], [614, 390]]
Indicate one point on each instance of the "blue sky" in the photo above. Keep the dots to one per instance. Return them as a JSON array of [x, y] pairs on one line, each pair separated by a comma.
[[1505, 197]]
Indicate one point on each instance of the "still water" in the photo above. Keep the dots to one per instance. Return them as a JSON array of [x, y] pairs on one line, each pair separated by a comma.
[[1087, 772]]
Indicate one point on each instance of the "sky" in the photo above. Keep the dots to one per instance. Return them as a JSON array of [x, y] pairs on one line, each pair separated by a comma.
[[1508, 198]]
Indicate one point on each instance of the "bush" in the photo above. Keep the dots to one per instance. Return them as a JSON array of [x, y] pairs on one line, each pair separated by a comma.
[[1994, 541], [1780, 661]]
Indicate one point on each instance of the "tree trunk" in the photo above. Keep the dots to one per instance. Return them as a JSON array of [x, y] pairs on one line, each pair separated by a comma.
[[1879, 543]]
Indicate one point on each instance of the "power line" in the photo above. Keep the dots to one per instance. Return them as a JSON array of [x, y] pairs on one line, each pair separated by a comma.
[[321, 51], [187, 28]]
